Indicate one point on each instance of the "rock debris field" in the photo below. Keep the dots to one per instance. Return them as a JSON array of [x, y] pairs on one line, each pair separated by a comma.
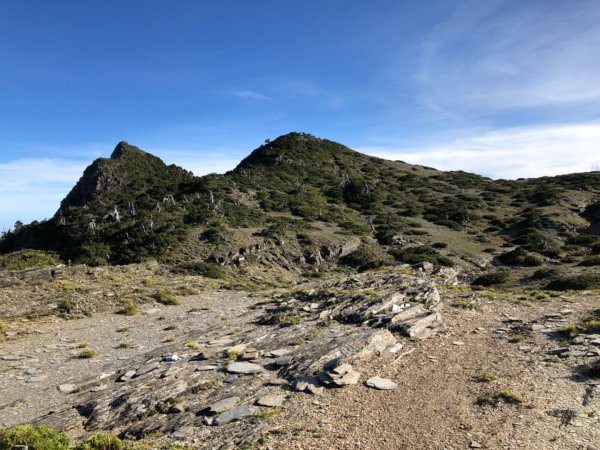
[[367, 362]]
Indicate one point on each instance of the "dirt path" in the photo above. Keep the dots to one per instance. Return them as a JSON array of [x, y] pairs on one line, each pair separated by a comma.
[[434, 406]]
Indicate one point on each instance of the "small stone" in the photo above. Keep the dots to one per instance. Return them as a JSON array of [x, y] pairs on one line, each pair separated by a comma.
[[558, 351], [231, 378], [397, 309], [459, 343], [553, 316], [209, 421], [278, 382], [244, 368], [308, 384], [475, 444], [277, 353], [272, 401], [285, 360], [178, 435], [595, 342], [37, 379], [537, 327], [67, 388], [342, 369], [348, 379], [223, 405], [249, 355], [127, 375], [177, 408], [206, 368], [381, 383], [396, 348], [170, 358], [233, 414]]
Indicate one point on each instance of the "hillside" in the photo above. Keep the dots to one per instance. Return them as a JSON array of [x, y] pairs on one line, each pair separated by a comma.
[[299, 203], [311, 298]]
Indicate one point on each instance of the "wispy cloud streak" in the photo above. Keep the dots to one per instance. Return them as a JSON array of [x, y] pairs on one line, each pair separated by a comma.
[[497, 55], [510, 153], [252, 95]]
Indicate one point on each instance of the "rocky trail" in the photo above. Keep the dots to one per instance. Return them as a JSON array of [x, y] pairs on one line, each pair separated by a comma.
[[378, 360]]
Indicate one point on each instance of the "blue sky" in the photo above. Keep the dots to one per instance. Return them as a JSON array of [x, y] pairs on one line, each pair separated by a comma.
[[498, 87]]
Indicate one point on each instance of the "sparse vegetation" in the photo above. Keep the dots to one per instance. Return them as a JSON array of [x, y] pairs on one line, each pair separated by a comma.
[[266, 414], [129, 309], [494, 396], [87, 353], [28, 259], [575, 283], [485, 377], [33, 438], [491, 279], [593, 369], [166, 298], [102, 442]]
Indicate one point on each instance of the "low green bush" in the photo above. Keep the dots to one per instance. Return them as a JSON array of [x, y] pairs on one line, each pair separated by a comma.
[[491, 279], [520, 257], [366, 257], [575, 283], [209, 270], [166, 298], [33, 438], [591, 261], [421, 254], [28, 259], [102, 442]]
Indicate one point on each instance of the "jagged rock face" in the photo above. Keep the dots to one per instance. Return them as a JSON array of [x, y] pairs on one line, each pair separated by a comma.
[[127, 164]]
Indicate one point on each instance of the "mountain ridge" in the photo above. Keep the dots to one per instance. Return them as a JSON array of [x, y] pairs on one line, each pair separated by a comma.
[[310, 193]]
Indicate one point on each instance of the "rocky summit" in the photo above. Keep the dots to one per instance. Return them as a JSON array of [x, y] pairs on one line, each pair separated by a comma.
[[313, 297]]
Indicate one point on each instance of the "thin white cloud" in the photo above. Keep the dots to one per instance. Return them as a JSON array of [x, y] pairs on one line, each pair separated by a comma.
[[251, 94], [510, 153], [495, 55], [31, 189]]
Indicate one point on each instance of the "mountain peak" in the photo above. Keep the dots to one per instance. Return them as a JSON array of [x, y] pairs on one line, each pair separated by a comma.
[[123, 148]]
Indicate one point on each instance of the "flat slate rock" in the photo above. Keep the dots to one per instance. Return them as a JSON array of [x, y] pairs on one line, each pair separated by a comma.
[[147, 369], [206, 368], [244, 368], [278, 382], [285, 360], [272, 401], [224, 405], [236, 413], [67, 388], [383, 384]]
